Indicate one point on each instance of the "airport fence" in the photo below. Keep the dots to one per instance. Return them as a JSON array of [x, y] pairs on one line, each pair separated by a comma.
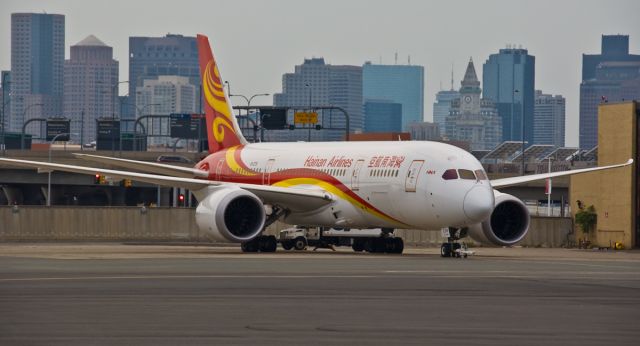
[[60, 223]]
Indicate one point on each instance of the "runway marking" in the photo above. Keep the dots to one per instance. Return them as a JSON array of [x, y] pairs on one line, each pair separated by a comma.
[[147, 277], [463, 274], [504, 271]]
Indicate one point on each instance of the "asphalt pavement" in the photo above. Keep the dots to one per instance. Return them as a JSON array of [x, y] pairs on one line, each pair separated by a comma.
[[104, 294]]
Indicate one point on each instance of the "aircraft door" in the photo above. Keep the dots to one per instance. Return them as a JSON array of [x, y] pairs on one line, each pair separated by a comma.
[[219, 169], [266, 175], [355, 175], [412, 176]]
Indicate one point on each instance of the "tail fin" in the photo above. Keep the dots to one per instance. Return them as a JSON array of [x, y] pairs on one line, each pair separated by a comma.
[[222, 128]]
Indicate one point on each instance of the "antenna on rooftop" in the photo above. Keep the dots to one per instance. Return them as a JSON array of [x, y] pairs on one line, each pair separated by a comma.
[[452, 76]]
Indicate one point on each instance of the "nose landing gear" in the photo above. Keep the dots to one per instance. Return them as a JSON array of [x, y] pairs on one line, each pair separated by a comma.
[[452, 248]]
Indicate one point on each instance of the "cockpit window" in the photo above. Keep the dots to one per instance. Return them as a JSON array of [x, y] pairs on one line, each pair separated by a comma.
[[466, 174], [481, 175], [450, 174]]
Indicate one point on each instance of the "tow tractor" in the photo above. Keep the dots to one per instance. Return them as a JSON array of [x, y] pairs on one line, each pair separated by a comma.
[[375, 240]]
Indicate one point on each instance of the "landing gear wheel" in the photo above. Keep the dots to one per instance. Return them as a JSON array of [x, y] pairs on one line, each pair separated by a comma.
[[389, 245], [445, 250], [250, 246], [379, 245], [268, 243], [455, 246], [398, 245], [358, 245], [287, 245], [299, 243]]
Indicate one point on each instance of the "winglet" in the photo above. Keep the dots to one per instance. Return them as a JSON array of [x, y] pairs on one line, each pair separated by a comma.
[[222, 128]]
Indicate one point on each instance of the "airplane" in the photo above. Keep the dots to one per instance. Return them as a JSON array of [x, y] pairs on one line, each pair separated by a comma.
[[243, 187]]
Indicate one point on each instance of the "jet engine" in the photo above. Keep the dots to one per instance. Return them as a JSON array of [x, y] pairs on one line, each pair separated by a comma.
[[231, 214], [507, 225]]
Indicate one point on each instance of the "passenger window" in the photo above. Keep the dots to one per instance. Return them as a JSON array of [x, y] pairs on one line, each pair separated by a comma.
[[466, 174], [481, 175], [450, 174]]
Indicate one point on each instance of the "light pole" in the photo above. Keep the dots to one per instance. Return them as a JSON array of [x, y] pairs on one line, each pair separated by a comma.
[[308, 85], [4, 83], [24, 115], [516, 91], [248, 99], [548, 191], [49, 179], [523, 109]]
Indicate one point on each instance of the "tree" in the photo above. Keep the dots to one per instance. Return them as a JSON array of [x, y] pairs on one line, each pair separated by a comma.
[[587, 218]]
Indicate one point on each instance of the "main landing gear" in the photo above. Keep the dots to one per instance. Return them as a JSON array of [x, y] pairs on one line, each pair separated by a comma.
[[452, 248], [263, 243]]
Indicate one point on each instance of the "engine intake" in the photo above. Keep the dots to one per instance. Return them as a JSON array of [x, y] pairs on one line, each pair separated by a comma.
[[231, 214], [507, 225]]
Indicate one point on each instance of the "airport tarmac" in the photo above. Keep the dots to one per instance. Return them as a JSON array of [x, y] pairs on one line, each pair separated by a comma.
[[82, 294]]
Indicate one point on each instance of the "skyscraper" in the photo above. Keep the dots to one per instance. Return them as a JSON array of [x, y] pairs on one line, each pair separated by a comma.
[[150, 57], [382, 116], [402, 84], [549, 119], [442, 107], [473, 119], [508, 79], [315, 83], [167, 94], [37, 60], [90, 87], [613, 75], [613, 48]]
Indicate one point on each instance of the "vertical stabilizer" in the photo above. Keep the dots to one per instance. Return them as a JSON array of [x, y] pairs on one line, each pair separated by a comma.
[[222, 127]]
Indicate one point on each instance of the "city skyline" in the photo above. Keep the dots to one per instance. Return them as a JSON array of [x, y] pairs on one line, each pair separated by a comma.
[[255, 43]]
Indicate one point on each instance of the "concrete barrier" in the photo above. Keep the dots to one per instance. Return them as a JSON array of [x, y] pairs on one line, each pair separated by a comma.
[[58, 223]]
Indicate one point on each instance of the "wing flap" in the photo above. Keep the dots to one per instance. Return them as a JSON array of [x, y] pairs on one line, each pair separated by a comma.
[[505, 182], [295, 199]]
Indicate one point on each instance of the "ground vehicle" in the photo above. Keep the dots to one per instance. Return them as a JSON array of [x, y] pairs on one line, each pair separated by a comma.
[[173, 158], [370, 240]]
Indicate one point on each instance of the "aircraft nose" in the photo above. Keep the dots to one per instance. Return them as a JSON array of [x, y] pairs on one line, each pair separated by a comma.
[[478, 203]]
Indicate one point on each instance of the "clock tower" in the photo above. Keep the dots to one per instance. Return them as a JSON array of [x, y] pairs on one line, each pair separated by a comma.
[[470, 91], [473, 119]]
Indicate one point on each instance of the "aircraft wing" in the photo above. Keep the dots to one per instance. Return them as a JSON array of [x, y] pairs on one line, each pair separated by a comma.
[[295, 199], [504, 182], [151, 167]]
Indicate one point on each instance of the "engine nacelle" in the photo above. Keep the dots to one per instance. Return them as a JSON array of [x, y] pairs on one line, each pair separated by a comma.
[[231, 214], [507, 225]]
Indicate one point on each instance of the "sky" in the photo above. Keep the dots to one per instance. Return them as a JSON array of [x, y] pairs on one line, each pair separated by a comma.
[[256, 42]]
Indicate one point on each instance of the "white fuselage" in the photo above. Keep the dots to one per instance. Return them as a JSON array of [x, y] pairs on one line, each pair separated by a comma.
[[377, 184]]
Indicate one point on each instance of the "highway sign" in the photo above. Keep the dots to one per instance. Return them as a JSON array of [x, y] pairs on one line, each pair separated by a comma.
[[305, 118], [56, 127], [186, 126]]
